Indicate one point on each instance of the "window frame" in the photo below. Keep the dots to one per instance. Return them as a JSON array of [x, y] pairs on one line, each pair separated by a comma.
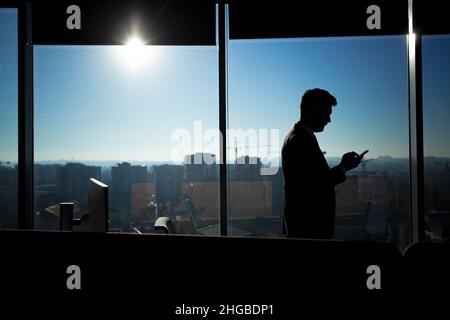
[[22, 112], [26, 130]]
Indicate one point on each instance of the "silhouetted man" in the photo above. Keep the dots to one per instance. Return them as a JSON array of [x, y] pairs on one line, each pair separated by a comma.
[[308, 181]]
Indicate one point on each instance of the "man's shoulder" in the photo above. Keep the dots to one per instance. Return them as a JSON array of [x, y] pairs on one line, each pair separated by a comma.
[[297, 136]]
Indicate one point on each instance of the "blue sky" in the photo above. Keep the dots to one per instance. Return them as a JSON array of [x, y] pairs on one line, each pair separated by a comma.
[[367, 75], [436, 95], [91, 104], [8, 85]]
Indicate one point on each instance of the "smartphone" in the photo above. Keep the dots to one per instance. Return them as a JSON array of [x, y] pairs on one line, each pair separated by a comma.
[[362, 154]]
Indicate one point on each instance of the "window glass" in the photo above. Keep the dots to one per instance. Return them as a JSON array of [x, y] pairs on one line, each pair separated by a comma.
[[129, 116], [8, 119], [436, 114], [368, 76]]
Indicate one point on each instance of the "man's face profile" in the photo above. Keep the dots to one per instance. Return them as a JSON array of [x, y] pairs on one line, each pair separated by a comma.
[[321, 118]]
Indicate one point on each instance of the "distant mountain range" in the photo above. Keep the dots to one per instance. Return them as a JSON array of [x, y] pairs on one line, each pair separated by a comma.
[[102, 163]]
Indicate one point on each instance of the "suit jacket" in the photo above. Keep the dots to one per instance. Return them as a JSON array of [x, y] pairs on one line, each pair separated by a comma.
[[309, 187]]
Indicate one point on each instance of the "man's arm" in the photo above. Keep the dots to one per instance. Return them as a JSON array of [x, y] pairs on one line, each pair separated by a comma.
[[337, 175], [349, 161]]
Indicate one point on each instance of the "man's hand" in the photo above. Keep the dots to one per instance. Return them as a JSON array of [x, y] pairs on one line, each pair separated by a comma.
[[350, 160]]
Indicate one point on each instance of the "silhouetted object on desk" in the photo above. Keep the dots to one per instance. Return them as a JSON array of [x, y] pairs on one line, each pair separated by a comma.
[[66, 216], [97, 218], [164, 224], [309, 182]]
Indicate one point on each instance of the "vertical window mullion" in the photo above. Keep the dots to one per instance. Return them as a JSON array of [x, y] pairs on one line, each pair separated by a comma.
[[222, 41], [25, 125], [416, 131]]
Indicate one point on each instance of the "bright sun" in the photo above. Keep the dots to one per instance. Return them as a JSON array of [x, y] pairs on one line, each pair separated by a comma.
[[135, 54]]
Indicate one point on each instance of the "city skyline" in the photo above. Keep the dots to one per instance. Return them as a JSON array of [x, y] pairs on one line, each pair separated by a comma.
[[112, 162]]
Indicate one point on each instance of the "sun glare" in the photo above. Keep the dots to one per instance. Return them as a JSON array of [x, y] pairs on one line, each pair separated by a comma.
[[136, 54]]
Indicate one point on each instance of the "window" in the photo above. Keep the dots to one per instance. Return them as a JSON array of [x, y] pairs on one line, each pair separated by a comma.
[[436, 111], [368, 76], [133, 117], [8, 119]]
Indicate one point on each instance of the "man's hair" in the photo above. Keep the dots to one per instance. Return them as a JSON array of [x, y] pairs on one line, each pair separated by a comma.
[[316, 98]]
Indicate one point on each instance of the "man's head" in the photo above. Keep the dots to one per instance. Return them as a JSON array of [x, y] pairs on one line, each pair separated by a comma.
[[315, 108]]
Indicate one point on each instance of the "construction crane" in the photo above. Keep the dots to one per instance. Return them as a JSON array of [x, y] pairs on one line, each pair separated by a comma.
[[193, 214]]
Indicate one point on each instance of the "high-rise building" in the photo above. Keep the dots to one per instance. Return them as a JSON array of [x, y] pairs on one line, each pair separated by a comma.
[[168, 180], [201, 167], [8, 196], [45, 174], [124, 175], [73, 181], [143, 202], [246, 168]]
